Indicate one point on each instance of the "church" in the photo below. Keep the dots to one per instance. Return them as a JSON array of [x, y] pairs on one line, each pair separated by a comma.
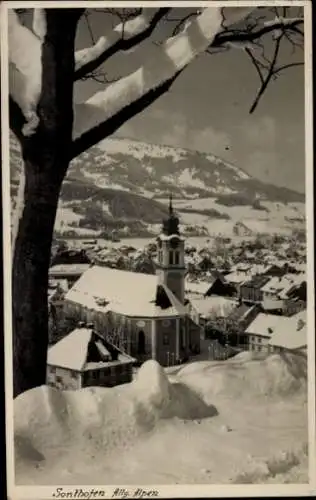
[[146, 316]]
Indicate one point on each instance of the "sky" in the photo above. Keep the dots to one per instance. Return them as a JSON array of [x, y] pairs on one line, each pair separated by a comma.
[[207, 108]]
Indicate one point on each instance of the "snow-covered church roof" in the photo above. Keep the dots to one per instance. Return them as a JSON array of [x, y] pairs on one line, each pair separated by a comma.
[[124, 292]]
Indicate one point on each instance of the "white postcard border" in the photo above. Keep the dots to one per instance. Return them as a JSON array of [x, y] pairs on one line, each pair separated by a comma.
[[165, 491]]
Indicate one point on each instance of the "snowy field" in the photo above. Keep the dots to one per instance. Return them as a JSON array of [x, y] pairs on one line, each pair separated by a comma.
[[242, 420]]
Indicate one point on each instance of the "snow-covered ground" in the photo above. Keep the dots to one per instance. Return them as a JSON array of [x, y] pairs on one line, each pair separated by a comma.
[[242, 420]]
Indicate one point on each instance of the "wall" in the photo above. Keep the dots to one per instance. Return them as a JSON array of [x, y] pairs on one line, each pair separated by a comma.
[[111, 325], [137, 325], [251, 294], [109, 376], [258, 343], [291, 307], [166, 341], [62, 378]]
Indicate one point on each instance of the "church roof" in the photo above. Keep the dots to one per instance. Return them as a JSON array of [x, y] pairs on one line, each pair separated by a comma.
[[124, 292]]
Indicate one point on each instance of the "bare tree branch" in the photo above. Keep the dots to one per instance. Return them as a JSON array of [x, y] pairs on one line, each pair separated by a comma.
[[266, 81], [287, 66], [248, 38], [255, 63]]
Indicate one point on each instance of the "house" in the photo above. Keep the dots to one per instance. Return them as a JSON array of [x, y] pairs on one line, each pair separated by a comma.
[[69, 272], [251, 289], [277, 290], [145, 315], [217, 285], [271, 333], [261, 329], [83, 358], [295, 300], [236, 279], [204, 309], [199, 288], [292, 339]]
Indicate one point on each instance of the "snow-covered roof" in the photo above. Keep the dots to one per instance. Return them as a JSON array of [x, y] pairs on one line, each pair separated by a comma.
[[214, 306], [60, 269], [288, 332], [266, 324], [236, 277], [71, 352], [294, 336], [282, 285], [124, 292], [200, 287]]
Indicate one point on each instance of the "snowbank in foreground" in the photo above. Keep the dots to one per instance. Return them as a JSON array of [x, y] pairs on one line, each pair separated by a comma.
[[243, 408]]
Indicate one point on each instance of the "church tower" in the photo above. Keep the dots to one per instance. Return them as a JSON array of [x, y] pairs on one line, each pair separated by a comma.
[[171, 268]]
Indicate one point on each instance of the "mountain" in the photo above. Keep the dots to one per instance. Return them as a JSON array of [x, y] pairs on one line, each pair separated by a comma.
[[124, 184]]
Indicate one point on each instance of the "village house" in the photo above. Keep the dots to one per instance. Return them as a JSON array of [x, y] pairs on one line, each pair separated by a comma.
[[203, 309], [251, 290], [217, 285], [144, 315], [83, 359], [260, 331], [270, 333], [278, 290], [292, 339]]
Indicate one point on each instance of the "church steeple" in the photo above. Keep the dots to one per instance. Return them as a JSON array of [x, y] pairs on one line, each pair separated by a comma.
[[171, 267], [171, 225], [170, 205]]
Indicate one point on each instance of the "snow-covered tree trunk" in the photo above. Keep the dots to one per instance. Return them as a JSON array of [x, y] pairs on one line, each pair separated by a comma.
[[46, 158]]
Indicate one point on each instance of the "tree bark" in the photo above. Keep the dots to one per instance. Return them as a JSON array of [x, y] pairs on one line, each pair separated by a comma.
[[46, 156], [30, 279]]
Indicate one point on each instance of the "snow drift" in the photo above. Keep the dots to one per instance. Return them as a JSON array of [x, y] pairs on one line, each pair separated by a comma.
[[74, 437], [248, 375]]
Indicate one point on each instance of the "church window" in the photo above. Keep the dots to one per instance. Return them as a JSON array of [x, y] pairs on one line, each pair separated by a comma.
[[141, 342], [177, 258], [166, 339], [171, 257]]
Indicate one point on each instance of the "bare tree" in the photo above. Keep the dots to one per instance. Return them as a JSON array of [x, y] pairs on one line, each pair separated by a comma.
[[43, 69]]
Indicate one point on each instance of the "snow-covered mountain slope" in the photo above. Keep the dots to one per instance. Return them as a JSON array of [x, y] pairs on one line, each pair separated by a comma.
[[124, 184]]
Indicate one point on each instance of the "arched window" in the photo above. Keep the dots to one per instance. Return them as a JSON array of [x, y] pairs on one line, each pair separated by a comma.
[[141, 342], [176, 258], [171, 257]]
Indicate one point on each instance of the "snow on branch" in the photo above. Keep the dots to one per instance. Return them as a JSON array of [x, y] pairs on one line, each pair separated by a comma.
[[25, 67], [164, 62], [39, 23], [284, 21], [123, 37]]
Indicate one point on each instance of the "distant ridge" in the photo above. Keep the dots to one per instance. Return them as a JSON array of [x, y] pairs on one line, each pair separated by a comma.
[[124, 183]]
